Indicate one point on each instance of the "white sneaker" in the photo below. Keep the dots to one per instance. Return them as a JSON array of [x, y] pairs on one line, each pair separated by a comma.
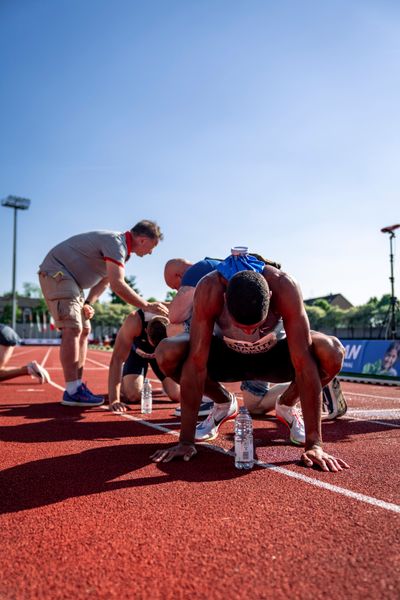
[[334, 403], [293, 419], [204, 409], [208, 429], [36, 370]]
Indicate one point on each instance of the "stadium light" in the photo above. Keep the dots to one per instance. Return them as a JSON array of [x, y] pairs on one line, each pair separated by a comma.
[[391, 315], [16, 203]]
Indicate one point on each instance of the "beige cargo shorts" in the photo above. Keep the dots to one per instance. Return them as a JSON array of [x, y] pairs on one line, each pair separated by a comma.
[[64, 300]]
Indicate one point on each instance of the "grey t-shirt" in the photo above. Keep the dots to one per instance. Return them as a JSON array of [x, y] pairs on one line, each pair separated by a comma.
[[83, 257]]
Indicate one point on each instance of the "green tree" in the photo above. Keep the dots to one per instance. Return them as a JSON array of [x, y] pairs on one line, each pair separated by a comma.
[[110, 315], [131, 281], [170, 295], [32, 290]]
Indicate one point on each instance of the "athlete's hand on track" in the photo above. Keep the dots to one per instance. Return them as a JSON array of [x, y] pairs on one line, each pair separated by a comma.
[[184, 450], [118, 407], [327, 462], [158, 308]]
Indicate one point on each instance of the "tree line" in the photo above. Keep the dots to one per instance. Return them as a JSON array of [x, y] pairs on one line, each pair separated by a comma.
[[322, 315]]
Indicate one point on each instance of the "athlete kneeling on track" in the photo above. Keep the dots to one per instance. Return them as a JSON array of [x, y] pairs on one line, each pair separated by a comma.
[[238, 312], [132, 355]]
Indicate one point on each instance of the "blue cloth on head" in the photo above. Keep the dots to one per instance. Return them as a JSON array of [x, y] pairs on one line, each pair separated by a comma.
[[243, 262]]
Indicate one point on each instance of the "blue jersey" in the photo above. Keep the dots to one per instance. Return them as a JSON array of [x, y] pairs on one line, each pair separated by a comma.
[[194, 273]]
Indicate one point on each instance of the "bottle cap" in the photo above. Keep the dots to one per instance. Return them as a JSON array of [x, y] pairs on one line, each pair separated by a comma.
[[239, 250]]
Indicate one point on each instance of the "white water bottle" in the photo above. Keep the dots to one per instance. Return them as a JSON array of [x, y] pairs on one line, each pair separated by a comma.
[[244, 451], [146, 398]]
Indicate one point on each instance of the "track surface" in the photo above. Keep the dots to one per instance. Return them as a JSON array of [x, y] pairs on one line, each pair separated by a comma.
[[86, 514]]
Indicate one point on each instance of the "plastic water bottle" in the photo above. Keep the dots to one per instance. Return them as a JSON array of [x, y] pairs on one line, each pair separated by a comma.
[[146, 398], [244, 452]]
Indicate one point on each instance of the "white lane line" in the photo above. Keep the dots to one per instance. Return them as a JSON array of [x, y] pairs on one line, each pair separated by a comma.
[[86, 369], [46, 357], [58, 387], [315, 482], [362, 415], [17, 354], [350, 394], [95, 362]]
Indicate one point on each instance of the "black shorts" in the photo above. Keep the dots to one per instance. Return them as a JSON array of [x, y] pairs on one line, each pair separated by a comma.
[[135, 364], [8, 337], [226, 365]]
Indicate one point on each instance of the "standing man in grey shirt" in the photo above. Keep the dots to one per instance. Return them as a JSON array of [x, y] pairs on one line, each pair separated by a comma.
[[93, 261]]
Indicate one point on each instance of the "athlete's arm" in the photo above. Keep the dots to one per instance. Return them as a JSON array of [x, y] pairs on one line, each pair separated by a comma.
[[289, 302], [207, 305], [116, 276], [180, 308], [130, 329]]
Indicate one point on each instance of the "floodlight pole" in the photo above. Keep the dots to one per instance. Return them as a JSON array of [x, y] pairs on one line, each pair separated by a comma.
[[17, 204], [391, 329], [393, 299]]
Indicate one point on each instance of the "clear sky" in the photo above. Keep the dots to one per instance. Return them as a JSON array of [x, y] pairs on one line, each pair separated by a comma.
[[269, 124]]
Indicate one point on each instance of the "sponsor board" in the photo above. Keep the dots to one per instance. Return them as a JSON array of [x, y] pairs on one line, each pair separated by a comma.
[[373, 359]]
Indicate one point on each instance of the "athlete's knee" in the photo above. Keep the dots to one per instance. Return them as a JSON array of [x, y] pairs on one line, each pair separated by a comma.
[[329, 352], [132, 395], [168, 355], [338, 353]]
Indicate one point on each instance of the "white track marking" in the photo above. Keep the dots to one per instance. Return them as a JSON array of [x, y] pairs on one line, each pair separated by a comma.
[[95, 362], [293, 474], [17, 354], [350, 394], [46, 357], [58, 387]]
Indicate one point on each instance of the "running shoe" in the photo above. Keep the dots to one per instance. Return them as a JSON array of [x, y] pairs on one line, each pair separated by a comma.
[[82, 397], [334, 403], [99, 396], [293, 419], [36, 370], [208, 429], [204, 410]]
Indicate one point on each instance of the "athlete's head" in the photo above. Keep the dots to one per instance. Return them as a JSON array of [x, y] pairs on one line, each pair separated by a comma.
[[247, 298], [157, 330], [174, 270]]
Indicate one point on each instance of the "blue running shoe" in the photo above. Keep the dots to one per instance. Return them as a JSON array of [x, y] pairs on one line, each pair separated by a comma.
[[99, 396], [82, 397]]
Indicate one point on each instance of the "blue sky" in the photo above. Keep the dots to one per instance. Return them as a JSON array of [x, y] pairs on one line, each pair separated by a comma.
[[262, 123]]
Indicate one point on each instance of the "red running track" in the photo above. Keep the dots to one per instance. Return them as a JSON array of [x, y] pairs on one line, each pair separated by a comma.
[[86, 514]]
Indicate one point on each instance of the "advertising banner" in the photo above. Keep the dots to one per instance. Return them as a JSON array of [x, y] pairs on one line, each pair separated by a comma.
[[372, 359]]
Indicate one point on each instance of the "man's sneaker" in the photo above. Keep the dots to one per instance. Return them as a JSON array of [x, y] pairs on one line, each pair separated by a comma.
[[293, 419], [82, 397], [99, 396], [36, 370], [334, 404], [204, 410], [208, 429]]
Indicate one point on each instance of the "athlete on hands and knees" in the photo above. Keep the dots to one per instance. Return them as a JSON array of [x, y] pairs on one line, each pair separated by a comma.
[[93, 260], [132, 355], [234, 336]]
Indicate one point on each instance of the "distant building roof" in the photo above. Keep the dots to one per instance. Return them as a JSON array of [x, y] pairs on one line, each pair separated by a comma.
[[334, 300], [22, 302]]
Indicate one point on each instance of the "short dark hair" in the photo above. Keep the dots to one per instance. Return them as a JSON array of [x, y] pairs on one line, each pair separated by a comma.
[[157, 330], [247, 297], [148, 229]]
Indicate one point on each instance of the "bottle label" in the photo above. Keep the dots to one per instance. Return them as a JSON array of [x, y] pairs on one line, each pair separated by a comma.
[[244, 450]]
